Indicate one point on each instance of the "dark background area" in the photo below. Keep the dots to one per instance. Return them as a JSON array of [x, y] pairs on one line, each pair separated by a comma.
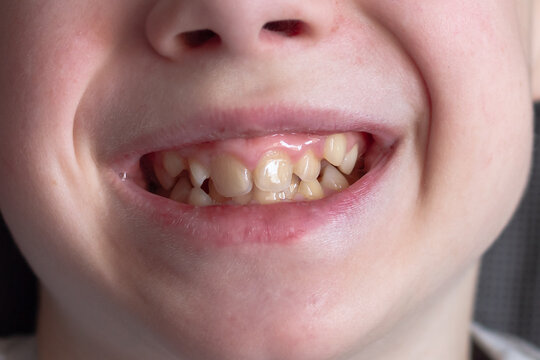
[[508, 292]]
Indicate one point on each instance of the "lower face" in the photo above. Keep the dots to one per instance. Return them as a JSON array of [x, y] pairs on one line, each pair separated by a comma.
[[254, 256]]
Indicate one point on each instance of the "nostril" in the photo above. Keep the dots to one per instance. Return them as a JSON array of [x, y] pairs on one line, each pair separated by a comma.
[[287, 28], [197, 38]]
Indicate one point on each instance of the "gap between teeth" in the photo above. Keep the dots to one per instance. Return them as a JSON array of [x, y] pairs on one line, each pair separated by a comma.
[[226, 180]]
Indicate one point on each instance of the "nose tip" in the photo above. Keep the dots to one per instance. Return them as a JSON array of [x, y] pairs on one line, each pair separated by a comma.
[[177, 27]]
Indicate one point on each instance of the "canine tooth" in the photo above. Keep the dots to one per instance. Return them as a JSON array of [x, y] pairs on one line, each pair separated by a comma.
[[335, 147], [268, 197], [197, 172], [293, 188], [230, 177], [273, 172], [173, 163], [310, 190], [349, 161], [198, 197], [243, 199], [332, 179], [165, 180], [308, 167], [181, 190], [214, 194]]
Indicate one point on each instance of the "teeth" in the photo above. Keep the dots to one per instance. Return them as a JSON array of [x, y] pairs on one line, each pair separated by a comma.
[[197, 173], [173, 163], [335, 147], [310, 190], [273, 172], [198, 197], [293, 188], [268, 197], [214, 194], [308, 167], [231, 178], [181, 190], [349, 161], [165, 180], [243, 199], [332, 179]]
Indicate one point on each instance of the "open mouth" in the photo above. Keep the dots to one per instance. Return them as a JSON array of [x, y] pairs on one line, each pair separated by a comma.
[[263, 170]]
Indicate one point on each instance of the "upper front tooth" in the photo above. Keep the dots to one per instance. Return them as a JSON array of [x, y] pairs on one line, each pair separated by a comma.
[[332, 179], [273, 172], [165, 180], [293, 188], [268, 197], [335, 147], [308, 167], [349, 161], [214, 194], [197, 172], [231, 178], [173, 163]]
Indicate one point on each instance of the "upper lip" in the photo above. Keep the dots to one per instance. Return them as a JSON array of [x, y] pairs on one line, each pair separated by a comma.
[[216, 125]]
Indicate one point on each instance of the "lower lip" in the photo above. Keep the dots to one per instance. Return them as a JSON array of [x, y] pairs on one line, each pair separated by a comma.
[[281, 223]]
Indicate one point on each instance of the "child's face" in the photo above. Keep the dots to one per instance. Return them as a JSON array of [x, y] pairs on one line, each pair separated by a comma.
[[89, 87]]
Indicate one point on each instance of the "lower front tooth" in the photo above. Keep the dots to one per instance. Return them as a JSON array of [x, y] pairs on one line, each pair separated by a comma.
[[243, 199], [293, 188], [332, 179], [181, 190], [310, 190], [197, 172], [198, 197]]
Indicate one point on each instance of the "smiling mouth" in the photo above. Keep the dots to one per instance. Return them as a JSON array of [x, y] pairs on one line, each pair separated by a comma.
[[264, 170]]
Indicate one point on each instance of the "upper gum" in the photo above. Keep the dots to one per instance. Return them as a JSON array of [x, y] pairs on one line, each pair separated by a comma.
[[249, 151]]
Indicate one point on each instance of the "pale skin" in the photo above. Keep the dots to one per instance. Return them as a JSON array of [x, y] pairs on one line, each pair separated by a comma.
[[393, 282]]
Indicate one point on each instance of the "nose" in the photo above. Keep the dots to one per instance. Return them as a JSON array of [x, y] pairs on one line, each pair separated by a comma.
[[177, 27]]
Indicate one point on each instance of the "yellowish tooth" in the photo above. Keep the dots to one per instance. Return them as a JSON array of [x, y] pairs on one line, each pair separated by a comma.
[[308, 167], [181, 190], [197, 172], [293, 188], [335, 147], [243, 199], [198, 197], [332, 179], [231, 178], [214, 194], [349, 161], [268, 197], [273, 172], [165, 180], [310, 190], [173, 163]]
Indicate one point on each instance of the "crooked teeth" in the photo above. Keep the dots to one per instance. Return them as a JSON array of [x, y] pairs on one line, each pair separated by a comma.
[[310, 190], [273, 172], [230, 177], [308, 167], [198, 197], [197, 172], [332, 179], [349, 161], [335, 147], [165, 180], [181, 190], [173, 163], [204, 179]]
